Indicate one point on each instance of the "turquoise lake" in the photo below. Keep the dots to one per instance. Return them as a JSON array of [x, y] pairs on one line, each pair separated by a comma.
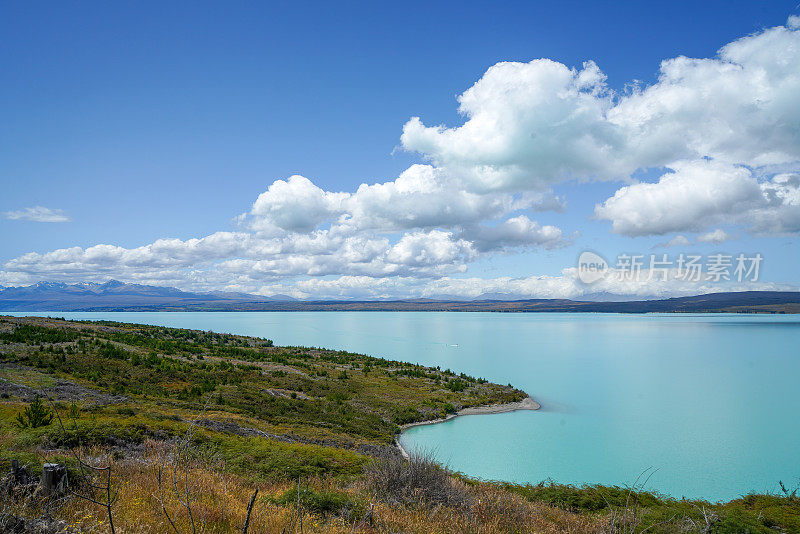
[[711, 401]]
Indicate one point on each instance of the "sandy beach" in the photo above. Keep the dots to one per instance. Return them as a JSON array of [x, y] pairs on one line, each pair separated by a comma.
[[525, 404]]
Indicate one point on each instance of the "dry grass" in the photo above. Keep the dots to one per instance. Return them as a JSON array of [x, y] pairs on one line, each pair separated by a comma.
[[492, 511], [418, 481], [419, 495], [219, 502]]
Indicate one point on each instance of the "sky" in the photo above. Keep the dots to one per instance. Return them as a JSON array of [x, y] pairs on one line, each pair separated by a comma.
[[360, 150]]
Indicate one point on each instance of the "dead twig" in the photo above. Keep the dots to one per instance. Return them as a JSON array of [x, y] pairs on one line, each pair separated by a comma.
[[249, 511], [89, 471], [180, 480]]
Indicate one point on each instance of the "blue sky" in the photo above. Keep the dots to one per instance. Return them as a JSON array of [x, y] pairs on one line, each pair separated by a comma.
[[141, 122]]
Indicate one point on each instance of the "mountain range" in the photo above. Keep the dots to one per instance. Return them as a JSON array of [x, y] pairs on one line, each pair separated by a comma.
[[113, 295], [119, 296]]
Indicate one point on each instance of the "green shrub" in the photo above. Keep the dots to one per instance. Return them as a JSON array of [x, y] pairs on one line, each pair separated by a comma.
[[585, 498], [408, 414], [321, 502], [274, 460], [34, 415], [456, 385]]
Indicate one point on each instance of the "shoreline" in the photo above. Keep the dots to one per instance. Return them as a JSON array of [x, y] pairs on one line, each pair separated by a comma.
[[525, 404]]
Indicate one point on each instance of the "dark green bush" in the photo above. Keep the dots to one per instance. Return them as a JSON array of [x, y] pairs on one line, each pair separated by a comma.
[[34, 415], [321, 502], [409, 414], [456, 385]]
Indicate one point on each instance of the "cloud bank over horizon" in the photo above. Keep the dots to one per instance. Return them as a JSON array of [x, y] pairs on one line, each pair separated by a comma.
[[722, 133]]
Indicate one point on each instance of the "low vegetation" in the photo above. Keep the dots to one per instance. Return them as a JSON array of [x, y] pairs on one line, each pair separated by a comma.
[[169, 430], [34, 415]]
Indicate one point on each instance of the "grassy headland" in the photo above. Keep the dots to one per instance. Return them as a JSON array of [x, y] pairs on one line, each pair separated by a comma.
[[191, 423]]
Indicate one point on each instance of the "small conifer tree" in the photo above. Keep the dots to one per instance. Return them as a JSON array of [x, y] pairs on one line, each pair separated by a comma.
[[36, 414]]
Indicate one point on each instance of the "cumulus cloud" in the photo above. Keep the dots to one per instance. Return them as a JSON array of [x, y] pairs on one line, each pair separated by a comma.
[[346, 287], [37, 214], [723, 131], [421, 197], [237, 253], [739, 107], [296, 205], [529, 125], [430, 248], [699, 194], [532, 125], [715, 237], [163, 253], [517, 231], [688, 198], [564, 285], [567, 285]]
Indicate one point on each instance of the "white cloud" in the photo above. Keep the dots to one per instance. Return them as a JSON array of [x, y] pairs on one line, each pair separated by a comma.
[[38, 214], [430, 248], [517, 231], [703, 193], [295, 205], [567, 285], [695, 194], [531, 125], [424, 197], [346, 287], [421, 197], [715, 236], [724, 129], [740, 107], [251, 259], [677, 241], [564, 285]]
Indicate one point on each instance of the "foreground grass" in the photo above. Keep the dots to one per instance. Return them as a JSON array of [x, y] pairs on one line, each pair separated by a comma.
[[219, 417], [330, 505], [635, 510]]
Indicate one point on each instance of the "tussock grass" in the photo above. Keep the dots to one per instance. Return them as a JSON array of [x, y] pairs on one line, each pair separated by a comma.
[[326, 505], [416, 481]]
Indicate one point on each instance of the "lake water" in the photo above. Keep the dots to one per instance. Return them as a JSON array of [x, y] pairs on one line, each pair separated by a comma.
[[711, 401]]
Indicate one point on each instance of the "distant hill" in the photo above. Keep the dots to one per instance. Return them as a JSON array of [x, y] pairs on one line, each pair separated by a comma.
[[118, 296], [113, 295], [735, 302]]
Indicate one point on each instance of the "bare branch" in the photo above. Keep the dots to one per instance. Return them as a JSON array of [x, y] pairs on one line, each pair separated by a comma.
[[249, 512]]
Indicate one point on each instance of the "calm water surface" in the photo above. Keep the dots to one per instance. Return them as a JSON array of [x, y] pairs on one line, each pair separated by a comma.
[[709, 400]]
